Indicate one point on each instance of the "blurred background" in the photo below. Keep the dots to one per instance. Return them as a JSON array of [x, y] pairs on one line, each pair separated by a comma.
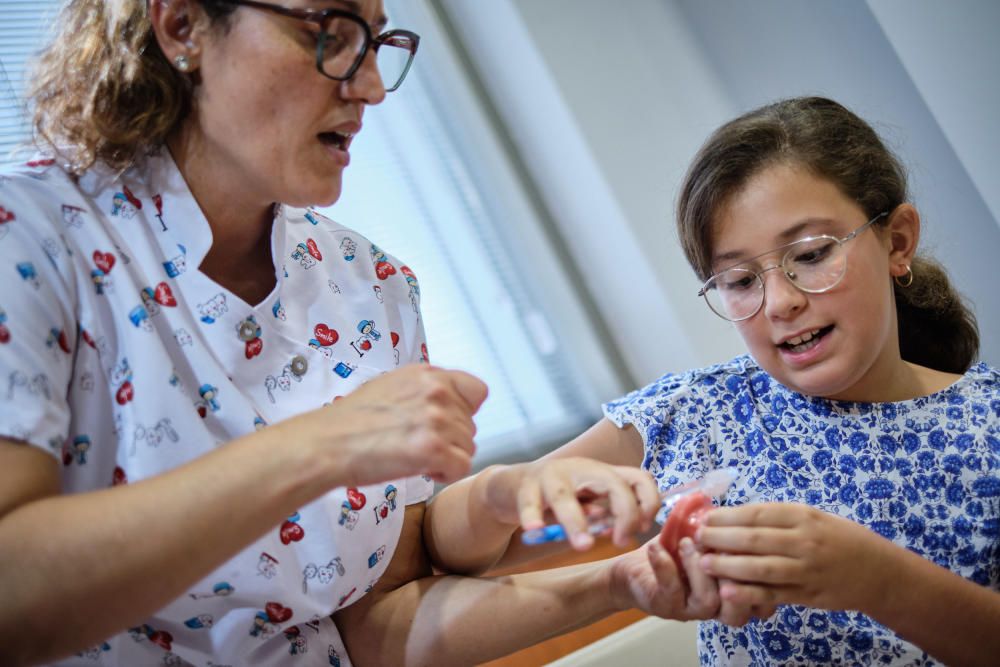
[[527, 171]]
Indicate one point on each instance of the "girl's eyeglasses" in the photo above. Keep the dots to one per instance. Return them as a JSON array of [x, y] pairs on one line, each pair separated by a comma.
[[815, 264]]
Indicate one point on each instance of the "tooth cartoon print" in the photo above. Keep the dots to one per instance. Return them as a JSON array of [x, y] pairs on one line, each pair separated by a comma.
[[209, 400], [348, 248], [307, 253], [75, 450], [383, 269], [279, 311], [162, 431], [125, 205], [369, 335], [324, 574], [414, 287], [178, 264], [213, 309], [267, 565], [101, 273], [72, 216], [282, 381], [324, 337], [121, 381], [348, 516]]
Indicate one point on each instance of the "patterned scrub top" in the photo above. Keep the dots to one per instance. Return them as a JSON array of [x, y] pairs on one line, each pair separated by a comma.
[[122, 360], [923, 473]]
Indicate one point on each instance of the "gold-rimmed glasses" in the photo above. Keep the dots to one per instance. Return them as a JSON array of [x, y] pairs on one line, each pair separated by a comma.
[[814, 264]]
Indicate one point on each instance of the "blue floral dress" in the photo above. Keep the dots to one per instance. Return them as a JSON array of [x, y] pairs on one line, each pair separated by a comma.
[[923, 473]]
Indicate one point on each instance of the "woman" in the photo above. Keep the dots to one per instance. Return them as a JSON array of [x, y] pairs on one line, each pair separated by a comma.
[[182, 333]]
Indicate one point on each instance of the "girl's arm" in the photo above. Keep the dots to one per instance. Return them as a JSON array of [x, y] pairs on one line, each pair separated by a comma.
[[470, 524], [412, 618], [95, 563], [795, 554]]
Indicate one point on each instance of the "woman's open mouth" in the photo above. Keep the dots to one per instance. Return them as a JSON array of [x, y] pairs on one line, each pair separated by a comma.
[[341, 140]]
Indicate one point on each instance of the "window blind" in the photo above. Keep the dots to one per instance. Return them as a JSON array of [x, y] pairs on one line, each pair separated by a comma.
[[22, 32]]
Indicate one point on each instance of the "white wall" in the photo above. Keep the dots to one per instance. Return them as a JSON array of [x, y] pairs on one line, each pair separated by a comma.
[[607, 103]]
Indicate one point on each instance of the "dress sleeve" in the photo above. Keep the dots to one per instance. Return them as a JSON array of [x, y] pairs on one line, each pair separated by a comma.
[[673, 418], [38, 327]]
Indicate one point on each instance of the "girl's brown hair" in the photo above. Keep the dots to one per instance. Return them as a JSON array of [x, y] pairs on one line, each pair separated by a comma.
[[936, 328], [103, 90]]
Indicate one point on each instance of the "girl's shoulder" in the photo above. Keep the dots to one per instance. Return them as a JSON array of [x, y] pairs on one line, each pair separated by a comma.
[[980, 382], [696, 384]]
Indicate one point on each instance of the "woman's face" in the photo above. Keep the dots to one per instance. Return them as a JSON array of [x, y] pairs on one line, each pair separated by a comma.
[[853, 347], [269, 122]]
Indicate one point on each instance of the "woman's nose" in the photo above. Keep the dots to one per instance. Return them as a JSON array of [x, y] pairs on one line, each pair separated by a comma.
[[366, 84]]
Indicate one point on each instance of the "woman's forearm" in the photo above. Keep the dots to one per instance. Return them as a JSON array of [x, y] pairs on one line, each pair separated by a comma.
[[95, 563], [448, 620]]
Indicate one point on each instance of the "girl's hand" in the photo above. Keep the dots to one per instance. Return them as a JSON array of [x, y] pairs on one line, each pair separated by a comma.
[[788, 553], [573, 488], [647, 579]]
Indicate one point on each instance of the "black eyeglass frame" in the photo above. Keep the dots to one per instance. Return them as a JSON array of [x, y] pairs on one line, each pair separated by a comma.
[[703, 292], [404, 39]]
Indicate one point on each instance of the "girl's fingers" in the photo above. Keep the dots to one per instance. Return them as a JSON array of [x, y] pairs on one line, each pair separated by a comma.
[[623, 506], [645, 492], [759, 541], [774, 515], [753, 569], [560, 495], [529, 504]]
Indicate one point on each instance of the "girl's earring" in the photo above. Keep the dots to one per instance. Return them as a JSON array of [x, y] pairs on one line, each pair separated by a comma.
[[182, 63], [906, 279]]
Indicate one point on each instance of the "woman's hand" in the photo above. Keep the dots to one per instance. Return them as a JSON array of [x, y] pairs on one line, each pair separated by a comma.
[[788, 553], [414, 420], [648, 579], [570, 489]]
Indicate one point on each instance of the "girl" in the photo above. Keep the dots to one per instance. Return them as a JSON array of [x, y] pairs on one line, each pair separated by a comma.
[[866, 439]]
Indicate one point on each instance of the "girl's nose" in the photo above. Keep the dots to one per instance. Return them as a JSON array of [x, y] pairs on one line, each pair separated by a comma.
[[781, 298]]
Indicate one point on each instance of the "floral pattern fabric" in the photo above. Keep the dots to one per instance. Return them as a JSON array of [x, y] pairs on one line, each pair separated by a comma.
[[122, 360], [924, 473]]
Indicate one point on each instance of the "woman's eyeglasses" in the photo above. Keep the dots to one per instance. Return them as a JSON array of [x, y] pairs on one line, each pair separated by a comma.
[[815, 264], [344, 39]]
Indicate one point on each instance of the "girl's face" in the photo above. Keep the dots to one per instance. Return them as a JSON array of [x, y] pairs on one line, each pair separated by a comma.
[[265, 116], [854, 349]]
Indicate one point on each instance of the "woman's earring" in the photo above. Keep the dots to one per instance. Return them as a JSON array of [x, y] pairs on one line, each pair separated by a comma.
[[182, 63], [906, 279]]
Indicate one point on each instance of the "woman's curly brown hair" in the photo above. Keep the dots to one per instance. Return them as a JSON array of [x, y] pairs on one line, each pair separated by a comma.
[[103, 90]]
